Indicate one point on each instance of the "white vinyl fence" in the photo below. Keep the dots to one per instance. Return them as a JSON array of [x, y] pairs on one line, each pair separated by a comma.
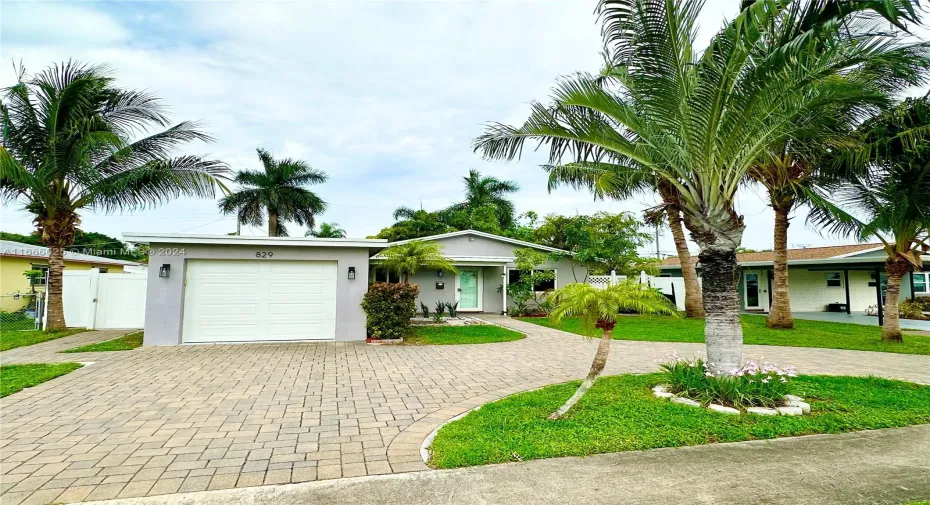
[[95, 300], [671, 287]]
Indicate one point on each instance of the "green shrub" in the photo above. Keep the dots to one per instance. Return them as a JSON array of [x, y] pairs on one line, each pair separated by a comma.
[[388, 308], [922, 302], [912, 310], [752, 385]]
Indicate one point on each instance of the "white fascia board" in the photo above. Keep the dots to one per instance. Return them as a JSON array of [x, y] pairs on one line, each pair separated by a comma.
[[485, 235], [176, 238]]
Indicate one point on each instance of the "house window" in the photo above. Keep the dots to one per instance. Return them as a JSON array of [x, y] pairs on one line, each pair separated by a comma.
[[382, 275], [834, 280], [513, 276], [921, 282], [39, 281]]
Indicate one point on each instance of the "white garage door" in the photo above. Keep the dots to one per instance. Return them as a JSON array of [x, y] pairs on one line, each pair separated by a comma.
[[253, 301]]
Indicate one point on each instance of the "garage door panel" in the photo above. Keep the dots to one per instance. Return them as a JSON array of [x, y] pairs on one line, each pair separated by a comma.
[[245, 301]]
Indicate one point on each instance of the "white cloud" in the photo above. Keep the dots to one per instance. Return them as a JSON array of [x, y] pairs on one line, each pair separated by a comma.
[[386, 97]]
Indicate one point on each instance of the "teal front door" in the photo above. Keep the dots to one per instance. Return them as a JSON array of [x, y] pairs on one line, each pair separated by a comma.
[[468, 289]]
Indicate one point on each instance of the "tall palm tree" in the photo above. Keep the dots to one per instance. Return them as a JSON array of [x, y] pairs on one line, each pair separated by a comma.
[[68, 146], [791, 168], [278, 191], [606, 180], [408, 258], [701, 121], [890, 201], [488, 191], [599, 309], [327, 230]]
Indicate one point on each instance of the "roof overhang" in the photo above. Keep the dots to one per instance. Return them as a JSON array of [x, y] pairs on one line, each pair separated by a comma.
[[819, 261], [468, 260], [490, 236], [177, 238]]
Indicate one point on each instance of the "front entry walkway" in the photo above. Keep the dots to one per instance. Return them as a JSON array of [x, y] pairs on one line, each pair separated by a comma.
[[162, 420]]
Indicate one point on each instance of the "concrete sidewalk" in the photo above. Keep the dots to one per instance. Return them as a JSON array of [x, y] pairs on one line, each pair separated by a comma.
[[885, 467]]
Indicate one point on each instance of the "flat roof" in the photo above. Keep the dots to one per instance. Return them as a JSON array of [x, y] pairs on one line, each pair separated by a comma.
[[195, 238]]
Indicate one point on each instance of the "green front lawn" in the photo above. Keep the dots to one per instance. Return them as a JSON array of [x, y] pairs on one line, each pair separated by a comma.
[[452, 335], [620, 414], [15, 378], [10, 339], [124, 343], [805, 333]]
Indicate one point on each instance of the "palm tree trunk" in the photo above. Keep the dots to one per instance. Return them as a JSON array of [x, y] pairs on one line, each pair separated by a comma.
[[597, 366], [891, 331], [722, 329], [53, 289], [694, 304], [780, 311], [272, 224]]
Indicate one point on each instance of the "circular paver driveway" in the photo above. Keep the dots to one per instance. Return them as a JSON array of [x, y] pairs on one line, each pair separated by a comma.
[[190, 418]]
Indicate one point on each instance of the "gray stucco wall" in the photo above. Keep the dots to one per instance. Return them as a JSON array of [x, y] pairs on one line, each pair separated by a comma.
[[476, 246], [164, 309]]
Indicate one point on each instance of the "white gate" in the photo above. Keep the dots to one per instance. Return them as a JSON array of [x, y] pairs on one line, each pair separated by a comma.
[[95, 300], [120, 301]]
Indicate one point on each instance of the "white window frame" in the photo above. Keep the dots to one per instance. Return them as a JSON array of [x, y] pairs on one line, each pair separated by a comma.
[[926, 276]]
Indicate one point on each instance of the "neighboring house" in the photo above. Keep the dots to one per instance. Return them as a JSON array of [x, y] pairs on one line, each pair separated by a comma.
[[16, 258], [220, 288], [838, 278]]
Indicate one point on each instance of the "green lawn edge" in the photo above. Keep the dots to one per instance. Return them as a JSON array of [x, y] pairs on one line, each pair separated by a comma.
[[460, 335], [620, 414], [14, 339], [816, 334], [123, 343], [15, 378]]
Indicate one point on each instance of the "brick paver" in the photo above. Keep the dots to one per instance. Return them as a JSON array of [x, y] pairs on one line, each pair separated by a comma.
[[160, 420]]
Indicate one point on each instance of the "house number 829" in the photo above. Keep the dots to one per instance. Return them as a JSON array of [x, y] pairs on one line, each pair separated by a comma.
[[264, 254]]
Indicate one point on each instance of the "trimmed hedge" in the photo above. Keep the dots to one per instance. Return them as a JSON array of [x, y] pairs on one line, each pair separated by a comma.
[[389, 307]]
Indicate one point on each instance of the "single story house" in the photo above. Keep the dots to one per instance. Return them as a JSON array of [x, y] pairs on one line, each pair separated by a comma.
[[220, 288], [835, 278], [16, 258]]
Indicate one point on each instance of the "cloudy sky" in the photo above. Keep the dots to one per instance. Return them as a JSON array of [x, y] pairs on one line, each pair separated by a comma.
[[385, 97]]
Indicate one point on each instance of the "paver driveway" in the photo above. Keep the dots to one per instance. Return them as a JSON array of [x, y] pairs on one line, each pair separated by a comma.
[[189, 418]]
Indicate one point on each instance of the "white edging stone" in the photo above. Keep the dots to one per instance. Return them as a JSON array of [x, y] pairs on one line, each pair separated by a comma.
[[790, 411], [723, 409], [794, 405], [762, 411]]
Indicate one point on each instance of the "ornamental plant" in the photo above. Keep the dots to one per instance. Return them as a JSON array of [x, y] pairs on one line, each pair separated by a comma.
[[751, 385], [388, 309]]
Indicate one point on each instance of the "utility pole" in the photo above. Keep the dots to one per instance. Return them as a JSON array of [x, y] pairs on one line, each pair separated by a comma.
[[658, 255]]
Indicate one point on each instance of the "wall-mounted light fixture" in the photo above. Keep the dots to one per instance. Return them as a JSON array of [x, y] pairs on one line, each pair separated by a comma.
[[351, 273], [165, 271], [440, 273]]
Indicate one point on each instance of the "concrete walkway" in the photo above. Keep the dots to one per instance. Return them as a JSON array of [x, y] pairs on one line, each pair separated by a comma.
[[163, 420], [887, 467], [859, 318]]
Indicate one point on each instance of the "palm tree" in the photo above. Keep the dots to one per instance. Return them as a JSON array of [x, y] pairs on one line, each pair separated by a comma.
[[487, 191], [701, 121], [278, 191], [67, 146], [599, 309], [605, 180], [327, 230], [890, 200], [408, 258]]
